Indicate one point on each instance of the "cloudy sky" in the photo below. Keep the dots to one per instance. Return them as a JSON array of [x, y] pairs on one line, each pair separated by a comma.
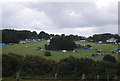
[[81, 18]]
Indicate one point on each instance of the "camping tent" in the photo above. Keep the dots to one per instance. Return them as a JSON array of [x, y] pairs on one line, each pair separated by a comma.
[[64, 51], [117, 49], [97, 54], [38, 48], [3, 44], [78, 44], [85, 47]]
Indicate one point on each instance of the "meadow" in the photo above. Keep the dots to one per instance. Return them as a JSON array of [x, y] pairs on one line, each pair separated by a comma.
[[58, 55]]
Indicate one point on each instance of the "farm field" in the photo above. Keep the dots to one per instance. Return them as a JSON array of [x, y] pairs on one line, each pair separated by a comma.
[[58, 55]]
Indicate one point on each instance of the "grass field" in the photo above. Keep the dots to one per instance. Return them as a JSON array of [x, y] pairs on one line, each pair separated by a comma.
[[57, 55]]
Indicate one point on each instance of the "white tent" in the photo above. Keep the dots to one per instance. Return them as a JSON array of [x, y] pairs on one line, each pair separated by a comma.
[[48, 40], [100, 42], [64, 51]]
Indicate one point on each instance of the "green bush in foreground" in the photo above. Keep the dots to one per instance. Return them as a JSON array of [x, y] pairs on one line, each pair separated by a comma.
[[109, 58], [47, 53], [70, 67]]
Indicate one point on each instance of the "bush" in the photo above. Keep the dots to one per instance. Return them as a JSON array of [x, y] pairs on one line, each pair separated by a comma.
[[72, 66], [47, 53], [35, 65], [31, 66], [89, 46], [109, 58], [11, 63]]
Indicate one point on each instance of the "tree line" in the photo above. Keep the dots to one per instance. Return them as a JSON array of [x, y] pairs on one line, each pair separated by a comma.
[[104, 37], [70, 67], [14, 36]]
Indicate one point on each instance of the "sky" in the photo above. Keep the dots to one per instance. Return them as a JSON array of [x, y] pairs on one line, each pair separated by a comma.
[[84, 18]]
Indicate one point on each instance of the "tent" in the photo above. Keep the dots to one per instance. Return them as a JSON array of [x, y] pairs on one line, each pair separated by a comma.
[[21, 42], [64, 51], [75, 51], [85, 47], [117, 49], [99, 51], [97, 54], [3, 44], [38, 48], [86, 56], [78, 44]]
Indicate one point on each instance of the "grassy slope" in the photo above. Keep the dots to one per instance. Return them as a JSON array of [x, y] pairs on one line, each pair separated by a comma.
[[57, 55]]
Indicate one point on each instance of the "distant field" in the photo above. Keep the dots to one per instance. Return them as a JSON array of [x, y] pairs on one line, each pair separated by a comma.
[[57, 55]]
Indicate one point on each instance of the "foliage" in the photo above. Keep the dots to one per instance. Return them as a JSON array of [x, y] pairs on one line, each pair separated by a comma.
[[61, 43], [35, 65], [109, 58], [47, 53], [104, 68], [104, 37], [74, 67], [43, 35], [11, 63], [68, 67], [14, 36]]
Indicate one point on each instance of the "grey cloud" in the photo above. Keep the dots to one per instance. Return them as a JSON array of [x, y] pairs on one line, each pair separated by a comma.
[[90, 14], [59, 15]]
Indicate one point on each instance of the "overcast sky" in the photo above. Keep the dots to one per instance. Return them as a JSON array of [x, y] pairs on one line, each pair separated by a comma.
[[81, 18]]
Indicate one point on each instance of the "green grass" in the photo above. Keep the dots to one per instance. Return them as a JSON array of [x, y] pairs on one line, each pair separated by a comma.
[[57, 55]]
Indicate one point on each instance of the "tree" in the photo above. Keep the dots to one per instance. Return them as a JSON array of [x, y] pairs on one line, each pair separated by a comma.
[[43, 35], [14, 36], [104, 37], [61, 43], [104, 68], [109, 58], [35, 65], [11, 63], [75, 67]]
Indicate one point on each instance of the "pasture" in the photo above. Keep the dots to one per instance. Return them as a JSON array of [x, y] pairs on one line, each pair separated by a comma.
[[58, 55]]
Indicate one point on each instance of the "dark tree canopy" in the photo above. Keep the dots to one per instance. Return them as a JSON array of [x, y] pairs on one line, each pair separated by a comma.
[[61, 43], [43, 35], [104, 37], [14, 36]]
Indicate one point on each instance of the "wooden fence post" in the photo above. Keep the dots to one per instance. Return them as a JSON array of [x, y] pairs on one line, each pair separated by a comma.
[[107, 77], [17, 76], [55, 75], [83, 77], [98, 77]]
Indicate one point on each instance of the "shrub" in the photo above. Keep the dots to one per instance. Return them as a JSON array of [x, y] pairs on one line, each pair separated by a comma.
[[72, 66], [35, 65], [11, 63], [47, 53], [109, 58]]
